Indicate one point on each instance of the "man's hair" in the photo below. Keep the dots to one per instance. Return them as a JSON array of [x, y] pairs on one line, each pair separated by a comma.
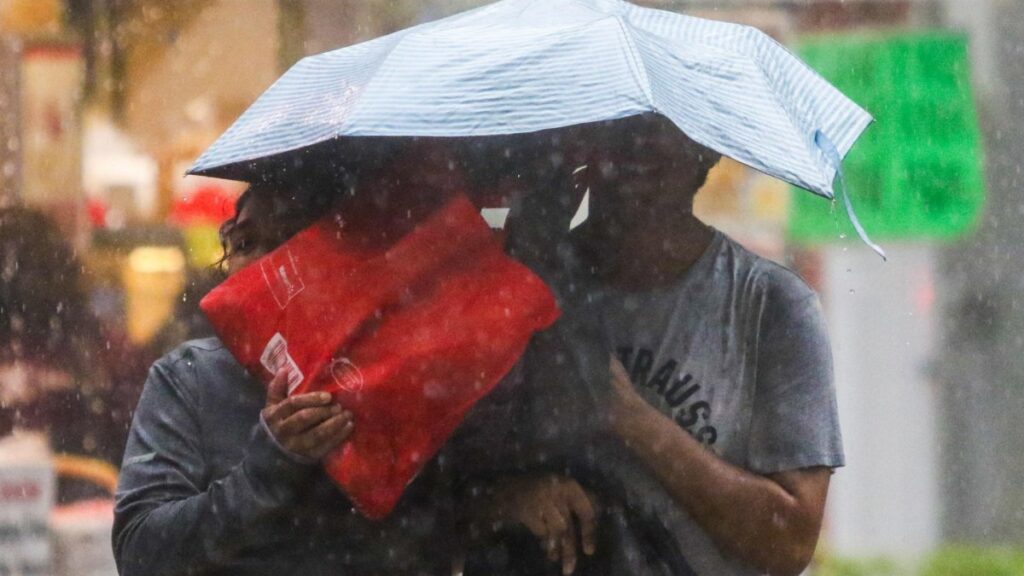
[[532, 158], [547, 159], [670, 138]]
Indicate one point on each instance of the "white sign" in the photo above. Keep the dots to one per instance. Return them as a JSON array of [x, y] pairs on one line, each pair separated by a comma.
[[27, 489]]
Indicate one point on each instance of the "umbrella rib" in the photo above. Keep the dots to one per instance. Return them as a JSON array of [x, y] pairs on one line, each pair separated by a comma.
[[371, 77], [636, 64], [789, 113]]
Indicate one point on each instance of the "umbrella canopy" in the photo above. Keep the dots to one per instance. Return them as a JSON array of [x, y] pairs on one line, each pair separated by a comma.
[[519, 66]]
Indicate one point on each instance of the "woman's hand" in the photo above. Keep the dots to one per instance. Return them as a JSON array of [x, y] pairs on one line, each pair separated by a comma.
[[307, 425], [556, 509]]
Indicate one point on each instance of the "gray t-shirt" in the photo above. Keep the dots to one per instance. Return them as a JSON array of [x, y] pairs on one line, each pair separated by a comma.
[[736, 353]]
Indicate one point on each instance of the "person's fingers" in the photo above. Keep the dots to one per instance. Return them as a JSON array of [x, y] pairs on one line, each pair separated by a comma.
[[626, 402], [277, 390], [338, 434], [285, 408], [568, 552], [302, 420], [585, 514], [556, 518], [566, 543], [551, 547], [620, 378], [327, 436], [534, 522], [557, 525]]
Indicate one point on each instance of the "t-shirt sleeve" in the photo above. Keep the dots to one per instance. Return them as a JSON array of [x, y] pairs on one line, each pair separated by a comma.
[[794, 422]]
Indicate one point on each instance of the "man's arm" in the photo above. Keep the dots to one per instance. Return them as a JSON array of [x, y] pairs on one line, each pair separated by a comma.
[[771, 522], [169, 518]]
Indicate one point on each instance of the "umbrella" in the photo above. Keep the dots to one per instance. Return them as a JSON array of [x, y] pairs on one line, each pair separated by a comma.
[[519, 66]]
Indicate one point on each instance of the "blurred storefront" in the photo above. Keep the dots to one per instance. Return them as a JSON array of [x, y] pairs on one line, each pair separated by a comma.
[[105, 105]]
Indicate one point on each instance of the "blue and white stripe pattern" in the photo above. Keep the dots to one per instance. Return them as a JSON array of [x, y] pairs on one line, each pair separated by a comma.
[[520, 66]]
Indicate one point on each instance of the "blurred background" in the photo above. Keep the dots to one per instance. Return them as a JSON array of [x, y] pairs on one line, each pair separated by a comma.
[[105, 103]]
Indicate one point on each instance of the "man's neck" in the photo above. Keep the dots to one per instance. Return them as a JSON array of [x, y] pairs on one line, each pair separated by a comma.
[[660, 253]]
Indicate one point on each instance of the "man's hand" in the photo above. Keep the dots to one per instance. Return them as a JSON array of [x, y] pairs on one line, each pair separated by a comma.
[[555, 509], [627, 407], [308, 425]]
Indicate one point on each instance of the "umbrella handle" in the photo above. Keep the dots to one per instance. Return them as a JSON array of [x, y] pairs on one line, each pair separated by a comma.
[[833, 156]]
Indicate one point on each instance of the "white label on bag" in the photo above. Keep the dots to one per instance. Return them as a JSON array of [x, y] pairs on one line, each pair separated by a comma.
[[346, 375], [275, 357], [282, 276]]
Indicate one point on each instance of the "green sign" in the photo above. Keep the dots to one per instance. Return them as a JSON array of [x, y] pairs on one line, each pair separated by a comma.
[[917, 172]]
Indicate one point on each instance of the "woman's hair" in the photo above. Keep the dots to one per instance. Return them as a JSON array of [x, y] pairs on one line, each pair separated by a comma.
[[284, 203], [281, 208], [44, 311]]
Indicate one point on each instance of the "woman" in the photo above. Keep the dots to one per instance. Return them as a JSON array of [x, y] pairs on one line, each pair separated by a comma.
[[221, 474]]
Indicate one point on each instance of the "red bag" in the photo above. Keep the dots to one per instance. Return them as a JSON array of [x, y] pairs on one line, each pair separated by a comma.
[[407, 336]]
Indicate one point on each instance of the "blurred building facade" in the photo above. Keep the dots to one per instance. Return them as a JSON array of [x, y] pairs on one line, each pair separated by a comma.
[[980, 363], [928, 347]]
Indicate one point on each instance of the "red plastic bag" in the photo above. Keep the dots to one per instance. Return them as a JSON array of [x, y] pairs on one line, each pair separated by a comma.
[[406, 336]]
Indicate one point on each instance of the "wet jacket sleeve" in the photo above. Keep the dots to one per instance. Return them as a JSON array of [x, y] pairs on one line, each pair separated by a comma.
[[170, 517]]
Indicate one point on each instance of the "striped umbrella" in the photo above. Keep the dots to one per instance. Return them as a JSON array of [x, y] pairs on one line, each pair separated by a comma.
[[519, 66]]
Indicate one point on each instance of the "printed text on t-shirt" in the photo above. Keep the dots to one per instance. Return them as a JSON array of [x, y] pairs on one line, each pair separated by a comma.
[[676, 389]]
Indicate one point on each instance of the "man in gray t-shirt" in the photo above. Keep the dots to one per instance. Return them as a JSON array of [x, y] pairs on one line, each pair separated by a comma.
[[711, 450], [722, 376], [735, 354]]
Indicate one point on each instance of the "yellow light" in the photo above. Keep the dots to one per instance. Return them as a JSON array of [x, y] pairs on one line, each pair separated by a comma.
[[156, 260], [154, 278], [25, 17]]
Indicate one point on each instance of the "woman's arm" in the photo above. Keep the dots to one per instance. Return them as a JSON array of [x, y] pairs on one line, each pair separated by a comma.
[[169, 518]]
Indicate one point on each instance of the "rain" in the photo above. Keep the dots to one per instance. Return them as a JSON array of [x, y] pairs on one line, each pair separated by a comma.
[[591, 287]]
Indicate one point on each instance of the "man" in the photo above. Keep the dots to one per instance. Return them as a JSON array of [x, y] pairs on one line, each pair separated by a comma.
[[722, 385], [722, 374]]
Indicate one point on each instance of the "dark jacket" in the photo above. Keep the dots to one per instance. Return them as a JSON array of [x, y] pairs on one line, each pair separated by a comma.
[[557, 420], [204, 489]]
